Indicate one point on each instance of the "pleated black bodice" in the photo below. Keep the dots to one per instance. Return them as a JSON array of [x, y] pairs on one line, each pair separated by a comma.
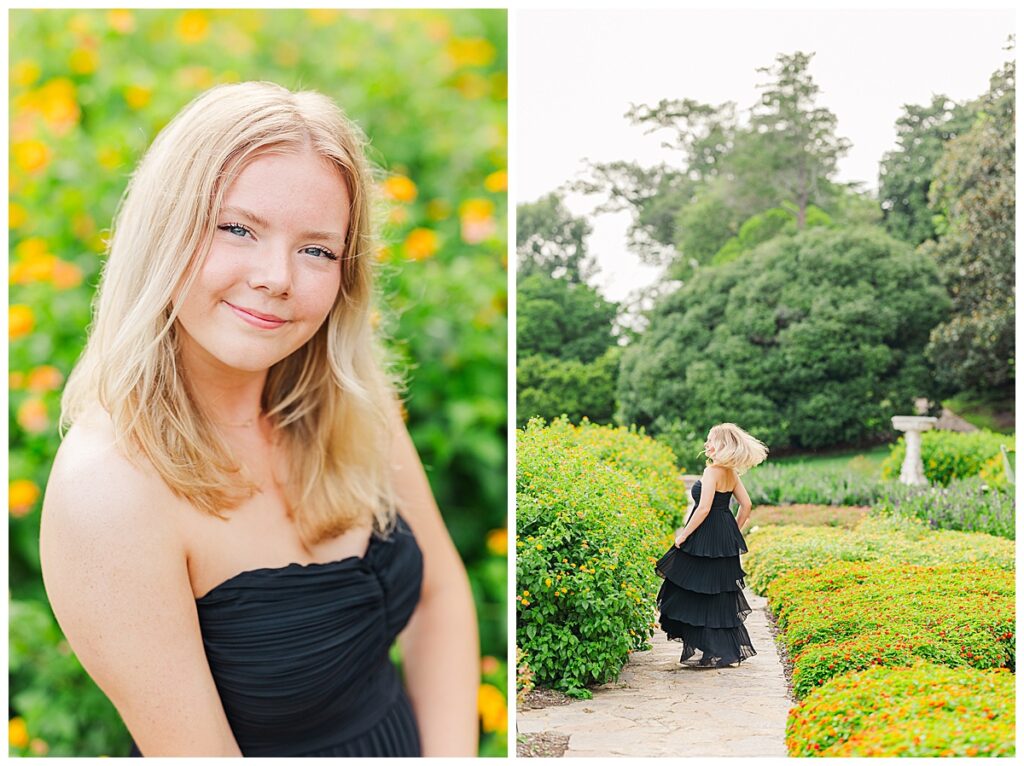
[[701, 600], [300, 654]]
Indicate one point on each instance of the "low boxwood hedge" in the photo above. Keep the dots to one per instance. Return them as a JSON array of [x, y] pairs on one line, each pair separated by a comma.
[[850, 615], [926, 710], [775, 550], [587, 538]]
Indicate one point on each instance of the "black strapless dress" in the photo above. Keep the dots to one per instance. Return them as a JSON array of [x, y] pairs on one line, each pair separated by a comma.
[[300, 654], [701, 599]]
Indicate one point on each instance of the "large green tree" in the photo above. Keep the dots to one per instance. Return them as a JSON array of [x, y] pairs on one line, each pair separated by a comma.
[[906, 173], [562, 319], [974, 193], [810, 339], [551, 387], [551, 240]]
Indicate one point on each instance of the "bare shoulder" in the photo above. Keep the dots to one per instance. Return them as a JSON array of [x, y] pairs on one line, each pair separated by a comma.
[[94, 491]]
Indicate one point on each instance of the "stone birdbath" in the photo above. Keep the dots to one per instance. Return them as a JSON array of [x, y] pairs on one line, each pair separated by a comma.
[[912, 425]]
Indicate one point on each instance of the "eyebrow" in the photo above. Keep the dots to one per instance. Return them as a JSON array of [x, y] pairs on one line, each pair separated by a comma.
[[264, 223]]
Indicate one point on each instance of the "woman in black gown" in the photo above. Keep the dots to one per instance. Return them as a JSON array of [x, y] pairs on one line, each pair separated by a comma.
[[237, 526], [701, 599]]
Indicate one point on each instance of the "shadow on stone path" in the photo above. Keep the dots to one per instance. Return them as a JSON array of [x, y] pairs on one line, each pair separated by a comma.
[[659, 708]]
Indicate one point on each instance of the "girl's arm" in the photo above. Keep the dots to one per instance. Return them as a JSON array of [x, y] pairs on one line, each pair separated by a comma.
[[116, 575], [440, 647], [708, 484], [745, 504]]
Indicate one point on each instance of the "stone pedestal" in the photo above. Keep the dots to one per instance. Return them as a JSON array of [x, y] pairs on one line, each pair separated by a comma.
[[912, 425]]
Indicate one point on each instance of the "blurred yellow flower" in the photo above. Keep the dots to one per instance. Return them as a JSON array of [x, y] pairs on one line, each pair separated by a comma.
[[287, 53], [44, 378], [491, 705], [15, 380], [471, 51], [499, 86], [471, 85], [497, 181], [374, 319], [193, 26], [400, 188], [438, 209], [421, 244], [137, 96], [25, 72], [31, 248], [322, 17], [194, 77], [58, 105], [17, 732], [439, 30], [32, 416], [31, 155], [477, 216], [497, 542], [16, 215], [20, 321], [121, 21], [22, 494], [83, 61], [66, 275]]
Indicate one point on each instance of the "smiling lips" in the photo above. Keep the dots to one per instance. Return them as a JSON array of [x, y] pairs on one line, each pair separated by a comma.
[[257, 318]]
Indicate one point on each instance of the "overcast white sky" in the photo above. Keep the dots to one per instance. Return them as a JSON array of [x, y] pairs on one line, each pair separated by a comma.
[[578, 71]]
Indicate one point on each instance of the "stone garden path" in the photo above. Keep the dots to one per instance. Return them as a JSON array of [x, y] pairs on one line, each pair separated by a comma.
[[659, 708]]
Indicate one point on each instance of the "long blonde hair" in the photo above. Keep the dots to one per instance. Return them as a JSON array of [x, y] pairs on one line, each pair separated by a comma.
[[329, 401], [735, 448]]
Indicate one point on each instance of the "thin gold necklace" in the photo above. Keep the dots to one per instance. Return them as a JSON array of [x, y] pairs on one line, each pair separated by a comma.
[[244, 424]]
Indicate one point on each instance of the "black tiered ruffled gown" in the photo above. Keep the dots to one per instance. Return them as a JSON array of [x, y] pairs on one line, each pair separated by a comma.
[[701, 599]]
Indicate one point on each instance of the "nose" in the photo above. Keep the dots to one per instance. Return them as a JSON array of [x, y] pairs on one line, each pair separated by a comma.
[[272, 270]]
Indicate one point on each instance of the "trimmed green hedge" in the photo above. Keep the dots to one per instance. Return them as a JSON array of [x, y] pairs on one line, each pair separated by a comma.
[[776, 550], [949, 455], [850, 615], [926, 710], [587, 536]]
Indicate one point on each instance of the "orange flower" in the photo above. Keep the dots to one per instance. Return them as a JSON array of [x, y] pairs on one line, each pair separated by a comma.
[[56, 102], [489, 665], [32, 416], [22, 494], [17, 732], [121, 21], [497, 542], [83, 61], [471, 51], [66, 275], [421, 244], [46, 377], [193, 26], [137, 96], [400, 189], [16, 215], [497, 181], [491, 705], [477, 216], [15, 380], [20, 321], [31, 155]]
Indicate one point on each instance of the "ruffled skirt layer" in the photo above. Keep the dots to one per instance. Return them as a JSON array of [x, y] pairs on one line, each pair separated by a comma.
[[701, 599]]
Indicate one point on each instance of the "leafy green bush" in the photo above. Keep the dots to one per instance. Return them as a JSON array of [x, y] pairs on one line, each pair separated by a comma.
[[587, 536], [949, 455], [776, 550], [921, 711], [548, 387], [966, 505], [849, 615]]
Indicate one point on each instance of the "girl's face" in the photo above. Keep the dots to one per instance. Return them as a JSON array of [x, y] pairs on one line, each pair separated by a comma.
[[272, 273], [709, 447]]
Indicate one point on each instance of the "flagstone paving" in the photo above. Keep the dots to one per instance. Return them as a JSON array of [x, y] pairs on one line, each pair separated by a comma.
[[657, 707]]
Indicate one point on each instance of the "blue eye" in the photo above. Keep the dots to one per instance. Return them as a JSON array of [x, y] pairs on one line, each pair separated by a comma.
[[320, 252], [235, 228]]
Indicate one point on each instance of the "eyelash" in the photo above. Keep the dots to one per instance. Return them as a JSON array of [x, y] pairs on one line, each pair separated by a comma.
[[325, 253]]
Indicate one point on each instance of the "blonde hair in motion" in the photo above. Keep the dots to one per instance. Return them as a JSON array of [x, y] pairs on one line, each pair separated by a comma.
[[735, 448], [329, 401]]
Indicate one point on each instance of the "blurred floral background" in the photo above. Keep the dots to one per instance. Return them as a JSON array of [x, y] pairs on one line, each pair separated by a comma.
[[89, 90]]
